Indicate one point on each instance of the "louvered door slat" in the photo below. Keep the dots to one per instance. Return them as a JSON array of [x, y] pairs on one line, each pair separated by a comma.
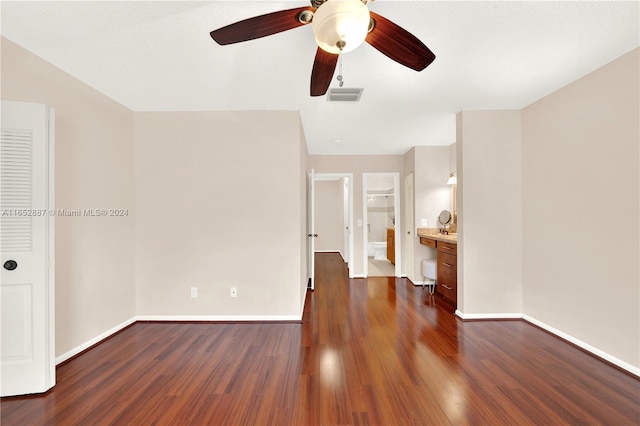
[[15, 184]]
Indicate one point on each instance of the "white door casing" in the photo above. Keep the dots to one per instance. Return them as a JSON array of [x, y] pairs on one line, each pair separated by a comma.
[[349, 220], [409, 226], [27, 355]]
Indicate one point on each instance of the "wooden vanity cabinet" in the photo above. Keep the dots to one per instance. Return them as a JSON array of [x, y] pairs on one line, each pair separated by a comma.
[[447, 270], [391, 245]]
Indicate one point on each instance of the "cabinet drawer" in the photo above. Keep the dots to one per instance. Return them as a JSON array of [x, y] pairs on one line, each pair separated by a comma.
[[447, 247], [448, 287], [447, 265], [428, 242]]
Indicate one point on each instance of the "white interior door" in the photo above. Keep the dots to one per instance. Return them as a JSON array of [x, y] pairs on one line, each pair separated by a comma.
[[311, 230], [409, 236], [27, 363]]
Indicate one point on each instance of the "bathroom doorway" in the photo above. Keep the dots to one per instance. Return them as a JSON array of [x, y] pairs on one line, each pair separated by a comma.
[[381, 224]]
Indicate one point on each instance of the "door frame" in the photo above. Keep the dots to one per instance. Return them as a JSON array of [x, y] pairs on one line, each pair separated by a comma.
[[348, 210], [397, 226], [410, 228]]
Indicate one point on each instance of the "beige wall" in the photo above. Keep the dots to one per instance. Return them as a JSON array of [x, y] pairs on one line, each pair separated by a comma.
[[452, 157], [95, 279], [357, 164], [489, 212], [581, 209], [219, 204], [329, 215], [549, 212], [431, 196]]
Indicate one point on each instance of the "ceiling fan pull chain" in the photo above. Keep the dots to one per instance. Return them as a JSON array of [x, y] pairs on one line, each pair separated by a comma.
[[339, 77]]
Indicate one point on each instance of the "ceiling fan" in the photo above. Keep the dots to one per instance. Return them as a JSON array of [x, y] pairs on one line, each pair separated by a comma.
[[339, 26]]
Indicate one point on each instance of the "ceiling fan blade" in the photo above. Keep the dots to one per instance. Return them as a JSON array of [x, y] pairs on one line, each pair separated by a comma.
[[399, 44], [323, 68], [259, 26]]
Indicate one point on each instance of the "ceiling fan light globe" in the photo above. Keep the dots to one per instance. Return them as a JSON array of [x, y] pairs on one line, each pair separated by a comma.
[[340, 20]]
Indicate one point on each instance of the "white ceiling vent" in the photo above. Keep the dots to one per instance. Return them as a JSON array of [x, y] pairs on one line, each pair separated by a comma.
[[344, 95]]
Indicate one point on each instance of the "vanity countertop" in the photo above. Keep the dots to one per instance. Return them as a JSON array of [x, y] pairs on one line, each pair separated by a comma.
[[435, 235]]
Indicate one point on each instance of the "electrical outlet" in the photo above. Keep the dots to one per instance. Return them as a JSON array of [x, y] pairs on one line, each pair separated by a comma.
[[423, 223], [194, 292], [234, 292]]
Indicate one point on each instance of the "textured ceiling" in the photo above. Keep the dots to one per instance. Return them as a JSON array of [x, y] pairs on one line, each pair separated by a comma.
[[158, 56]]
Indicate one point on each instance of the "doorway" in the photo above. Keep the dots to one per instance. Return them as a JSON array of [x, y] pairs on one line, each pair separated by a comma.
[[381, 224], [332, 215]]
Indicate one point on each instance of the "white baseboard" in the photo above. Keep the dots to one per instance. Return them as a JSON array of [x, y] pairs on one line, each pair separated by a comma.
[[75, 351], [492, 316], [358, 275], [607, 357], [220, 318]]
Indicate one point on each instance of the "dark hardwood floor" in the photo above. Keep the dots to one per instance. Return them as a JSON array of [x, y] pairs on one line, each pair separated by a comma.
[[376, 351]]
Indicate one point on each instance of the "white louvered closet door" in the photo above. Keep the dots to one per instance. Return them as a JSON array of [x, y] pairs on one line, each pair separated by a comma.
[[26, 248]]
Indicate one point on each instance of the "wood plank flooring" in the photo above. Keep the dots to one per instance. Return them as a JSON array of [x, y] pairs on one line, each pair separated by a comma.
[[376, 351]]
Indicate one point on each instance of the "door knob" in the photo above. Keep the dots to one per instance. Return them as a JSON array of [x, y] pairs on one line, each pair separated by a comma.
[[10, 265]]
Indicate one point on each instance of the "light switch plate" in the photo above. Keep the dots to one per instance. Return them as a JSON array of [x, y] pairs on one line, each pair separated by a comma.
[[359, 222], [423, 223]]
